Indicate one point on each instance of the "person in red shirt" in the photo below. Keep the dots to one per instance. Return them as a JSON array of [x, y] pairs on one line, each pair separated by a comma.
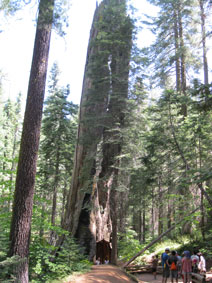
[[186, 267]]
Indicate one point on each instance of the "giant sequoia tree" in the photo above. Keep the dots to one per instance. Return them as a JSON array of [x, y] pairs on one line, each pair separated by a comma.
[[105, 90], [23, 198]]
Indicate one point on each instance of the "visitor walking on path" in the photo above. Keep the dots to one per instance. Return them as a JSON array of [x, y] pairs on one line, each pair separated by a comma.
[[165, 265], [186, 268]]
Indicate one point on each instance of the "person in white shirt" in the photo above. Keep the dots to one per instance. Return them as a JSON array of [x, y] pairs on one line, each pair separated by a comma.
[[202, 263], [98, 262], [106, 261]]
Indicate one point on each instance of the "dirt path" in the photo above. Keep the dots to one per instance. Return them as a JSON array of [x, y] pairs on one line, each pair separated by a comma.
[[113, 274], [146, 277], [103, 274]]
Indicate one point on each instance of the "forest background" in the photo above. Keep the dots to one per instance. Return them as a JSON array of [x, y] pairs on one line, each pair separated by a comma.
[[160, 155]]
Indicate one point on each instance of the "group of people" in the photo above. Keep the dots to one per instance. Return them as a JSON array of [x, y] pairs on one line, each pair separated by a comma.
[[179, 266], [98, 261]]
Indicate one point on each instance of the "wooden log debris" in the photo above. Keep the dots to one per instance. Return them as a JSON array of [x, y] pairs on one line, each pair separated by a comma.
[[198, 278], [142, 269]]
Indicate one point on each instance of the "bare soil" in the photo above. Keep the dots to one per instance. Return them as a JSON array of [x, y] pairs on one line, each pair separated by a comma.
[[113, 274], [103, 274], [146, 277]]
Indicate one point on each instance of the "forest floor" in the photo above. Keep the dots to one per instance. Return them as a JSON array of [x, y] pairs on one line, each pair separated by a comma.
[[103, 274], [146, 277], [113, 274]]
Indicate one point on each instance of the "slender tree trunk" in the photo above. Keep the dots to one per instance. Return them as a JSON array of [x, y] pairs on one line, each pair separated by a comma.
[[25, 181], [152, 215], [182, 62], [63, 202], [54, 201], [170, 207], [144, 224], [160, 209], [177, 52], [42, 217], [140, 224], [202, 197], [182, 56], [204, 48]]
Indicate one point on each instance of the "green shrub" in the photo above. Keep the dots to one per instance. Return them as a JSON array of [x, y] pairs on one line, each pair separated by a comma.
[[128, 246], [48, 262]]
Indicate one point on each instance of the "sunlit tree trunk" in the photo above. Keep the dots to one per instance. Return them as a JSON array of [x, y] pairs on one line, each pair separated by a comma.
[[203, 35]]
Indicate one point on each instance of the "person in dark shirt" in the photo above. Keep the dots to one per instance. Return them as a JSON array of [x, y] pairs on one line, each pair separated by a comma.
[[173, 263], [154, 265], [165, 265]]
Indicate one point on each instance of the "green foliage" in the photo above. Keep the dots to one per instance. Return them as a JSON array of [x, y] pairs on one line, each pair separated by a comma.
[[128, 245], [58, 137], [48, 262], [7, 268], [176, 245], [9, 7], [60, 22]]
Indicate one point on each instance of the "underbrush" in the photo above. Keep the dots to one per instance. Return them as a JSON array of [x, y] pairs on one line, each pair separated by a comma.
[[48, 263], [129, 246]]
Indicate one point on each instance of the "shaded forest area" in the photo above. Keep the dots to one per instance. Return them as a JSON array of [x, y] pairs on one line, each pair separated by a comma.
[[113, 175]]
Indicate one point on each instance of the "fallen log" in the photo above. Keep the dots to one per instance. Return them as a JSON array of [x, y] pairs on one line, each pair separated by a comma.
[[142, 269], [198, 278], [158, 238]]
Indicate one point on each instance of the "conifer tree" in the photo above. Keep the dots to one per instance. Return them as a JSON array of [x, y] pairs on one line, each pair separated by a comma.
[[25, 180], [57, 145], [171, 52]]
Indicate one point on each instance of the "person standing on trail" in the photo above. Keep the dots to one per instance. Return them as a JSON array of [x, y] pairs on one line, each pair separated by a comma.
[[195, 262], [106, 261], [179, 263], [202, 264], [98, 261], [173, 262], [154, 265], [186, 267], [165, 265]]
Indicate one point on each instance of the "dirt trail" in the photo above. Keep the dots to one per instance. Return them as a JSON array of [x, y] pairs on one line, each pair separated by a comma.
[[146, 277], [113, 274], [103, 274]]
